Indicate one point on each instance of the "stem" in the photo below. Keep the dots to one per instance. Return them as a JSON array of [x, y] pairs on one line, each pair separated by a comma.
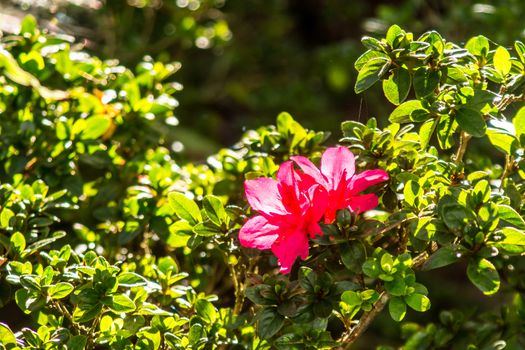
[[366, 319], [348, 338], [239, 291], [463, 142], [506, 169]]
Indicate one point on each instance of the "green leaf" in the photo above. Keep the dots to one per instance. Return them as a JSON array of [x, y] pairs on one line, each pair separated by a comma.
[[206, 229], [483, 275], [185, 208], [29, 282], [77, 342], [371, 43], [478, 46], [455, 216], [86, 312], [511, 216], [445, 131], [366, 57], [28, 25], [520, 50], [392, 34], [95, 127], [425, 132], [196, 333], [206, 310], [519, 123], [502, 61], [269, 322], [370, 73], [60, 290], [502, 140], [397, 86], [371, 268], [471, 121], [426, 81], [121, 303], [13, 71], [412, 193], [403, 113], [397, 308], [214, 210], [353, 255], [509, 235], [5, 217], [131, 279], [418, 302], [442, 257], [33, 247], [17, 243], [7, 336], [351, 298]]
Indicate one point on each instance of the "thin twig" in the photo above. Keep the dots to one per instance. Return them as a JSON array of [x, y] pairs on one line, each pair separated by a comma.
[[366, 319], [463, 142]]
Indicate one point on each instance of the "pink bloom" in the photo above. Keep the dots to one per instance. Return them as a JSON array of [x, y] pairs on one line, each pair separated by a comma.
[[289, 211], [337, 176]]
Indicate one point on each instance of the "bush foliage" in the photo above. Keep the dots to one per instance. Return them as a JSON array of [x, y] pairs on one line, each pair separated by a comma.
[[108, 240]]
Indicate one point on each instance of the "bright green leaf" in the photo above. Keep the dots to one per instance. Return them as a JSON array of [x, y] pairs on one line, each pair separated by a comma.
[[418, 302], [185, 208], [483, 275], [370, 73], [214, 210], [502, 61], [60, 290], [397, 86]]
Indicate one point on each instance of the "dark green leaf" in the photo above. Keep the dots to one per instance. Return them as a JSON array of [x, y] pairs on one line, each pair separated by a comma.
[[471, 121], [269, 322], [425, 81], [397, 308], [442, 257]]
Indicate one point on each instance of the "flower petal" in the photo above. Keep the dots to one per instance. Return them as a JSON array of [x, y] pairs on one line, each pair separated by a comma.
[[291, 245], [319, 202], [362, 181], [359, 204], [288, 184], [263, 196], [337, 163], [258, 233], [310, 169]]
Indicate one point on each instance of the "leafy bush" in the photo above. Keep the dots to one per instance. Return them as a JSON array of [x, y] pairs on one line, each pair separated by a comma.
[[108, 240]]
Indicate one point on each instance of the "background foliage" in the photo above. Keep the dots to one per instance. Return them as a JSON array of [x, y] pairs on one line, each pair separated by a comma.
[[108, 237]]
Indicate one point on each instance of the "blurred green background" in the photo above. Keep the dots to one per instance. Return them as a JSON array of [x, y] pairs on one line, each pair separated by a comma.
[[244, 61]]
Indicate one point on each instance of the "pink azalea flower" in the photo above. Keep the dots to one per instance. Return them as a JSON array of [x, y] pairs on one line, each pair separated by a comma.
[[337, 175], [289, 212]]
